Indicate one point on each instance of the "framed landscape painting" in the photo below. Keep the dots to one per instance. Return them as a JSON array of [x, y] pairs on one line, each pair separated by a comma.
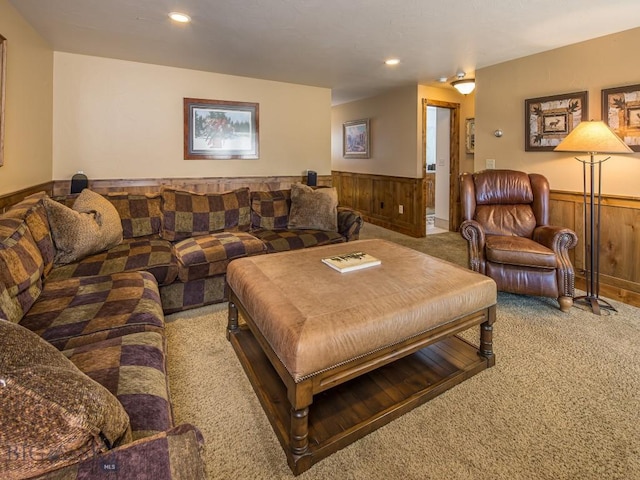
[[218, 129], [621, 111], [355, 139], [549, 119]]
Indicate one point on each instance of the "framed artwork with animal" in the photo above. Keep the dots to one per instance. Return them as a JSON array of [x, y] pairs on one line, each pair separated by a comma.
[[621, 111], [549, 119]]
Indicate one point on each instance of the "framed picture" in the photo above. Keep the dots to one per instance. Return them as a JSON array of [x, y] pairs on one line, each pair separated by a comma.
[[549, 119], [3, 74], [355, 139], [470, 135], [621, 111], [218, 129]]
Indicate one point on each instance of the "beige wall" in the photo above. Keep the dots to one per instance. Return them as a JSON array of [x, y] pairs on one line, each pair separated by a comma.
[[393, 126], [117, 119], [29, 104], [396, 130], [605, 62]]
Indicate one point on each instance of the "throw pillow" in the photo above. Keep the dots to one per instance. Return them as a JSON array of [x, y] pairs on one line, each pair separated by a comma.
[[314, 209], [93, 225], [51, 414]]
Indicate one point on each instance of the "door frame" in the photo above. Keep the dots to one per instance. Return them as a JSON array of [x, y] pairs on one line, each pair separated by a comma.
[[454, 162]]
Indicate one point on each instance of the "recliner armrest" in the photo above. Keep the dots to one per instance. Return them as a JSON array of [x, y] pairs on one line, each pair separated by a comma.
[[473, 233], [558, 239]]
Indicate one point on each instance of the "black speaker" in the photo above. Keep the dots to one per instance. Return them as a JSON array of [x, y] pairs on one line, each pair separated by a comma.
[[312, 178], [79, 182]]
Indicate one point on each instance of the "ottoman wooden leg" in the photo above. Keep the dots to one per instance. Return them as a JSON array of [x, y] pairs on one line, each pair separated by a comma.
[[486, 338], [232, 325]]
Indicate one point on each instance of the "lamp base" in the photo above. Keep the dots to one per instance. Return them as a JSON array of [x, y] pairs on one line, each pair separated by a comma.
[[596, 303]]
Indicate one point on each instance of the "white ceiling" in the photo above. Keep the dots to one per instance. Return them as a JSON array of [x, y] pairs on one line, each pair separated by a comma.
[[340, 44]]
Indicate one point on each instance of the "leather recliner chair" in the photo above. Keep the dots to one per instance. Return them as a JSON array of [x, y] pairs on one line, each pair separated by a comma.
[[506, 224]]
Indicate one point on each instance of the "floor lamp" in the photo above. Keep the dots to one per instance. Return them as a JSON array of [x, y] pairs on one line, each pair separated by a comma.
[[594, 138]]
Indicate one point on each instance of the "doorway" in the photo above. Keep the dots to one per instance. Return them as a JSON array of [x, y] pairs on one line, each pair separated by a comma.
[[440, 149]]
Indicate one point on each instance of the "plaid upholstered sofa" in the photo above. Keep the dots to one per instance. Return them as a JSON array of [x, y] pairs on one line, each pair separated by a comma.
[[186, 239], [83, 383]]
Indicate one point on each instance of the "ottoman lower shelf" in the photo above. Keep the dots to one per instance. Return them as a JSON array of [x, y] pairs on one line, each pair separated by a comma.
[[343, 414]]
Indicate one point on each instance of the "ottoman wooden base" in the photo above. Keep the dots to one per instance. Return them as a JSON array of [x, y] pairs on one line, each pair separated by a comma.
[[320, 415]]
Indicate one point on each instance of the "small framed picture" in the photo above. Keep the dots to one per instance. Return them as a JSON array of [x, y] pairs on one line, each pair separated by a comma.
[[621, 111], [470, 135], [549, 119], [218, 129], [355, 139]]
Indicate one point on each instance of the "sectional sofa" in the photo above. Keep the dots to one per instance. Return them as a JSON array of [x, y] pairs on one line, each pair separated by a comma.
[[83, 294]]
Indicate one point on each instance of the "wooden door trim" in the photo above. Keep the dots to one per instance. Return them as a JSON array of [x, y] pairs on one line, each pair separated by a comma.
[[454, 162]]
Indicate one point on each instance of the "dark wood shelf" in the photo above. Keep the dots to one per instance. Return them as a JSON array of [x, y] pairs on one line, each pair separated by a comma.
[[341, 415]]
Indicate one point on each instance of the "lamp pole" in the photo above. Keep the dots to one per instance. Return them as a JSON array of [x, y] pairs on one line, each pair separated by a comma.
[[592, 271]]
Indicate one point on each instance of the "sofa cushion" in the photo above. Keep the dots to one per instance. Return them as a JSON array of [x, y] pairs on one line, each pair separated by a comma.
[[21, 266], [180, 296], [140, 214], [283, 240], [132, 368], [208, 255], [91, 226], [51, 414], [153, 255], [189, 214], [77, 311], [313, 209], [270, 210], [31, 210]]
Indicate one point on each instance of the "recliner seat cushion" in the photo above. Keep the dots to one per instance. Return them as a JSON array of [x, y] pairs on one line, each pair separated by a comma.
[[519, 251]]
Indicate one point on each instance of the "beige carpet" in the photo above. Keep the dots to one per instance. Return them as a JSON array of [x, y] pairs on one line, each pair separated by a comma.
[[562, 402]]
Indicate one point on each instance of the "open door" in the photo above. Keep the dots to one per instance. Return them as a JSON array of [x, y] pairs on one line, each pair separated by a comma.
[[454, 160]]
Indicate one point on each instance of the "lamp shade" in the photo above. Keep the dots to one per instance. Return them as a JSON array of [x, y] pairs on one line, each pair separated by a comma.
[[593, 137], [464, 86]]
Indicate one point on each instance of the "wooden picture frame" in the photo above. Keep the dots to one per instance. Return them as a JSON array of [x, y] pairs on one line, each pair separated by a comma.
[[3, 76], [548, 120], [220, 129], [470, 135], [356, 139], [621, 111]]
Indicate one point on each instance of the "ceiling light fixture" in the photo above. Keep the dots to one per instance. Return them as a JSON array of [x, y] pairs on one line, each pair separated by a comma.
[[392, 61], [179, 17], [464, 85]]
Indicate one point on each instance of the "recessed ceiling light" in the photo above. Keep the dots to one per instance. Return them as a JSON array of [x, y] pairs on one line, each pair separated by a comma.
[[179, 17], [392, 61]]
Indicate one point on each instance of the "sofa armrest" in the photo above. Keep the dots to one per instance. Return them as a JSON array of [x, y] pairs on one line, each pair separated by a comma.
[[473, 233], [171, 455], [349, 223]]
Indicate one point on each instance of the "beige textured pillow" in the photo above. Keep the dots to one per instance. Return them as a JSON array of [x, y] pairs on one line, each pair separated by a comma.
[[314, 209], [50, 412], [93, 225]]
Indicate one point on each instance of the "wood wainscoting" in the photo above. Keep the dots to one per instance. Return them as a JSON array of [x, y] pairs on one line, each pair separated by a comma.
[[619, 242], [379, 198], [200, 185]]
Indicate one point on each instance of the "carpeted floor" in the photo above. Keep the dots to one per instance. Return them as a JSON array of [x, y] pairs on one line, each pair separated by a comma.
[[562, 402]]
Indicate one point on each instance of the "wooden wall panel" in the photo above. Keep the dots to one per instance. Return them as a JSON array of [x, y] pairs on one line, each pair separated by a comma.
[[619, 242], [200, 185], [378, 198]]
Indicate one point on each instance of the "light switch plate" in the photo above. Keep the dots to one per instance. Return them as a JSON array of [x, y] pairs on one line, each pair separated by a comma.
[[491, 163]]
